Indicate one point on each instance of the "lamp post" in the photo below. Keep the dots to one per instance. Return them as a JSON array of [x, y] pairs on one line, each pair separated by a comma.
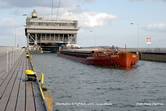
[[26, 15], [15, 34], [138, 34], [94, 39], [15, 37]]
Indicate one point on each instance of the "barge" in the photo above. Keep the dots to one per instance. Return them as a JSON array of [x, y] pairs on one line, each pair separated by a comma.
[[105, 57]]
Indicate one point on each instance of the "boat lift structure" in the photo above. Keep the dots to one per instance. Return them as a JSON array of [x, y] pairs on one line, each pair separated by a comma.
[[48, 34]]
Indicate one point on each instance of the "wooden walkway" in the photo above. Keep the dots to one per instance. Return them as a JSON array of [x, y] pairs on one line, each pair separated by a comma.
[[16, 94]]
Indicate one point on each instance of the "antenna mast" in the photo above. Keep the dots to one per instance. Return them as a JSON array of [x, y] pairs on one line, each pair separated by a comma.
[[52, 6], [58, 6]]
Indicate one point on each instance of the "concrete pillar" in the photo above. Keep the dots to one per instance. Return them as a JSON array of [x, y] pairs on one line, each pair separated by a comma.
[[58, 37], [55, 37], [28, 39], [49, 37], [40, 37], [35, 39], [75, 38], [44, 36], [63, 38]]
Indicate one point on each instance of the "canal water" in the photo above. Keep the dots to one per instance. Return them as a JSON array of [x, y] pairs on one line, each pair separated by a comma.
[[80, 87]]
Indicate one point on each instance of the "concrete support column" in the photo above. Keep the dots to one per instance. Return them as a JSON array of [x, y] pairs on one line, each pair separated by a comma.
[[58, 37], [40, 37], [49, 37], [44, 36], [54, 37], [68, 38], [75, 38], [28, 39], [35, 39], [63, 38]]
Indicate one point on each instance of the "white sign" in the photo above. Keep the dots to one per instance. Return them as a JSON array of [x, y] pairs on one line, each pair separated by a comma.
[[148, 40]]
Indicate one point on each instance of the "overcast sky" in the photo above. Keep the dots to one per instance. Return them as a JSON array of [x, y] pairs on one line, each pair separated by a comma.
[[101, 22]]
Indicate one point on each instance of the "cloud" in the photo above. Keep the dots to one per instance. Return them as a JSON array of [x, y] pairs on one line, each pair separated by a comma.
[[159, 27], [7, 23], [148, 0], [94, 19], [89, 0], [8, 26], [41, 3], [6, 35], [85, 18], [33, 3]]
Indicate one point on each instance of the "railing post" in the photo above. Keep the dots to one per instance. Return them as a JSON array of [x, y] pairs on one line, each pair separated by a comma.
[[7, 60]]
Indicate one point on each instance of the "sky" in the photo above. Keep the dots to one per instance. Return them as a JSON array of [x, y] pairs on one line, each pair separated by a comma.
[[101, 22]]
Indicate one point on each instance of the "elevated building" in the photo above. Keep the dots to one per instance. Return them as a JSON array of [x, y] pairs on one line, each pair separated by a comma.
[[49, 34]]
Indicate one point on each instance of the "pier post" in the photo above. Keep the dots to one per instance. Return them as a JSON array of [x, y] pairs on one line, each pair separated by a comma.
[[7, 60]]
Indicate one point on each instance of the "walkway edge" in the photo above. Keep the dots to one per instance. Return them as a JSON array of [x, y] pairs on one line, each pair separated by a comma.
[[46, 97]]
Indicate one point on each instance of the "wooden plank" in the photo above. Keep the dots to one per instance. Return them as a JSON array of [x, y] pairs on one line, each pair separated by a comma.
[[30, 103], [2, 75], [39, 104], [6, 77], [38, 100], [3, 60], [14, 95], [21, 101], [37, 95], [30, 106], [6, 80], [2, 68], [7, 92]]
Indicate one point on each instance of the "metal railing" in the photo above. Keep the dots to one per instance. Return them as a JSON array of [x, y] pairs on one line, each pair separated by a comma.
[[9, 56]]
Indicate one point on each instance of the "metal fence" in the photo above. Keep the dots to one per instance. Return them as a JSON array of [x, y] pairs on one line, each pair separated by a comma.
[[8, 57]]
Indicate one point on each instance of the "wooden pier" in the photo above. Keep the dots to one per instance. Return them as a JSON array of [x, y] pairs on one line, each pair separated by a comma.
[[17, 94]]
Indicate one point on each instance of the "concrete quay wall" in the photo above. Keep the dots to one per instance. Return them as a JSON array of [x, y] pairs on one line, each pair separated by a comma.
[[150, 54]]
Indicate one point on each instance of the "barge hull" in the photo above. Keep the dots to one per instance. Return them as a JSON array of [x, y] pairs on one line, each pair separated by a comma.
[[122, 61], [79, 59]]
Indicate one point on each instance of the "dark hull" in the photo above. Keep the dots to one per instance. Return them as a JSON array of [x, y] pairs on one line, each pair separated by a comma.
[[122, 61], [79, 59]]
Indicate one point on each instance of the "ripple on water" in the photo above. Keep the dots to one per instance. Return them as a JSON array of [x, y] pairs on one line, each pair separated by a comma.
[[75, 82]]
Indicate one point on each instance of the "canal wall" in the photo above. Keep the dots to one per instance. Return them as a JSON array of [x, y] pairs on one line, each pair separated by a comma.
[[158, 57], [150, 54]]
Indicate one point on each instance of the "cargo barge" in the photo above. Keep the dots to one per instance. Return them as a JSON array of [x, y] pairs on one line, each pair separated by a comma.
[[102, 57]]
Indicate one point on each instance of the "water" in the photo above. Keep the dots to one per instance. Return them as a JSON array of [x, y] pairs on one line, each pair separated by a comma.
[[80, 87]]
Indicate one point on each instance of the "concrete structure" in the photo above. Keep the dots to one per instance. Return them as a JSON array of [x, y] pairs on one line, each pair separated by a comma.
[[149, 54], [146, 50], [49, 34]]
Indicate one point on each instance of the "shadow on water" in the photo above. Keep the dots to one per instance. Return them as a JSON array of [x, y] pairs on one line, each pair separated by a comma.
[[83, 87]]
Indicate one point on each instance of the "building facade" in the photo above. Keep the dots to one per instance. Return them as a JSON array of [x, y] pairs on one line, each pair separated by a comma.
[[49, 34]]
